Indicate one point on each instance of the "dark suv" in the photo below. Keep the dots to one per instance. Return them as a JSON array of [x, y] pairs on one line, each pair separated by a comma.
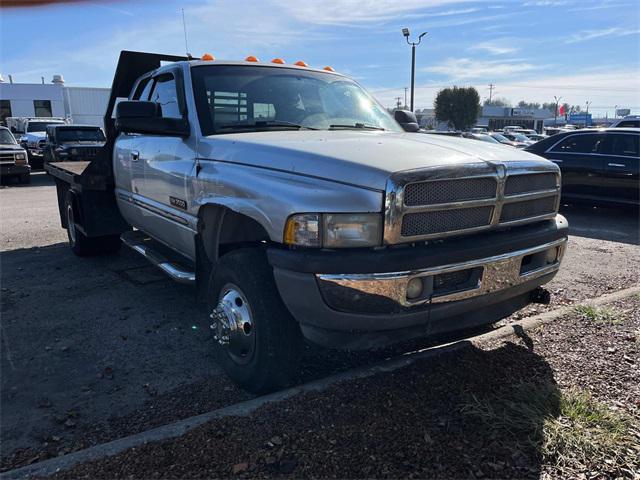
[[601, 165], [67, 143]]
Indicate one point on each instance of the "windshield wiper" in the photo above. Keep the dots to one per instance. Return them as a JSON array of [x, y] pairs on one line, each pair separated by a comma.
[[265, 124], [361, 126]]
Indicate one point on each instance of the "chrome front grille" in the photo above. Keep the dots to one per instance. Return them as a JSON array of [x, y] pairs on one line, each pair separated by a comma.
[[527, 209], [530, 183], [446, 191], [7, 158], [427, 223], [461, 199]]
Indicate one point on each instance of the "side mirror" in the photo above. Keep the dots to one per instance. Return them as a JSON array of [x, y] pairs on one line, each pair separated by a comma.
[[407, 120], [146, 117]]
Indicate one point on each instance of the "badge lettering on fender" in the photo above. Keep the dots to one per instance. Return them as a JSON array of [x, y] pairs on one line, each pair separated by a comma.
[[178, 202]]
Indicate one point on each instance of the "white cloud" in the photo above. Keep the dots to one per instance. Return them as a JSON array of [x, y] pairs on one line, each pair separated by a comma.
[[605, 32], [498, 47], [353, 12], [456, 69]]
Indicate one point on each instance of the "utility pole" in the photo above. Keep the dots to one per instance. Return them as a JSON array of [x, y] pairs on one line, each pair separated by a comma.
[[398, 105], [586, 115], [491, 87], [405, 32]]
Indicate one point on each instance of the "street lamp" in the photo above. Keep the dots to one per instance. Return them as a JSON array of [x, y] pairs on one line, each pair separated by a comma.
[[555, 116], [405, 32], [586, 116]]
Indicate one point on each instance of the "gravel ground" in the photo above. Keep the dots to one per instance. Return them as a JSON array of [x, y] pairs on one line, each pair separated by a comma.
[[96, 349], [423, 421]]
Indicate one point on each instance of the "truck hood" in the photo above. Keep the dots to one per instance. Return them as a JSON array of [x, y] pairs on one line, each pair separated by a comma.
[[363, 158], [10, 148]]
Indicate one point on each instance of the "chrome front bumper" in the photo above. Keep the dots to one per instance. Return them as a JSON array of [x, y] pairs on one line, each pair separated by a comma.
[[368, 292]]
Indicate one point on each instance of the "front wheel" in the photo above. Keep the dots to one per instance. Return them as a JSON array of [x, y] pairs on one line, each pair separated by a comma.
[[256, 340], [25, 178]]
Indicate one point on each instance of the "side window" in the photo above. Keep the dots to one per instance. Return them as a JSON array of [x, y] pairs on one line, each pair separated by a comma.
[[143, 90], [165, 93], [629, 123], [622, 145], [584, 143], [42, 108]]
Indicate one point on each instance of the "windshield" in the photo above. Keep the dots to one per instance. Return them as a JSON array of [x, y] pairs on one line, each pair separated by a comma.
[[486, 138], [80, 135], [39, 126], [246, 98], [519, 137], [501, 138], [6, 137]]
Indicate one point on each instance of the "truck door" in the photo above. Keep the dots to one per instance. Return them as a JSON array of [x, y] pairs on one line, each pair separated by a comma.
[[582, 167], [622, 166], [166, 192], [128, 171]]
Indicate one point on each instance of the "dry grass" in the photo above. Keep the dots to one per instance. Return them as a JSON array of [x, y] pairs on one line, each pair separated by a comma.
[[571, 431]]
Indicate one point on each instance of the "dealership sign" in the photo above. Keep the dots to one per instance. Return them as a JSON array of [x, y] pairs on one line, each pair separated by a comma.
[[623, 112], [580, 118], [522, 112]]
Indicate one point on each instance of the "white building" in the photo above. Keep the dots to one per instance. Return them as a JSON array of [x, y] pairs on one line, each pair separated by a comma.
[[81, 105]]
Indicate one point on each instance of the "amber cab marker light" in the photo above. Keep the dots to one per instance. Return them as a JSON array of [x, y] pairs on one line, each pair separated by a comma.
[[300, 63], [251, 58], [278, 60], [207, 56], [329, 69]]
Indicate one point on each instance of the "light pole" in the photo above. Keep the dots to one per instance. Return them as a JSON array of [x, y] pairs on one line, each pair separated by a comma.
[[405, 32], [586, 115], [555, 116]]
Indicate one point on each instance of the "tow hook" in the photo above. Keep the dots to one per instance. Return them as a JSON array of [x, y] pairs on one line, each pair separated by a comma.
[[541, 295]]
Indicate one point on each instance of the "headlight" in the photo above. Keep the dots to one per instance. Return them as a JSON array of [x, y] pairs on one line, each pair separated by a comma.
[[20, 156], [334, 230]]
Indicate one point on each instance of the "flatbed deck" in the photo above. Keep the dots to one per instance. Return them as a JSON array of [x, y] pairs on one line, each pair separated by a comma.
[[68, 171]]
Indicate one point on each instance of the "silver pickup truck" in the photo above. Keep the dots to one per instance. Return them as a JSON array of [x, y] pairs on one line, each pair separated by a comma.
[[300, 208]]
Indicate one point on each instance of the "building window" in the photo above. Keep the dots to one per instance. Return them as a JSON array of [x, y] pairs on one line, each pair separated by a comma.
[[42, 108], [5, 110]]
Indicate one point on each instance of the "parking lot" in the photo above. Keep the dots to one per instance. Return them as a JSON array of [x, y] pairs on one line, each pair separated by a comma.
[[95, 349]]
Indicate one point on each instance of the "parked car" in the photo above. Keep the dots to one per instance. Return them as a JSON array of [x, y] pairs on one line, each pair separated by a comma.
[[519, 138], [13, 158], [33, 137], [601, 165], [632, 121], [67, 143], [483, 137], [500, 137], [536, 137], [511, 128], [300, 208]]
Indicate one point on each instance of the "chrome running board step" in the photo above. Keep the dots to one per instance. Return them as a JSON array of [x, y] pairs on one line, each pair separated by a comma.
[[148, 248]]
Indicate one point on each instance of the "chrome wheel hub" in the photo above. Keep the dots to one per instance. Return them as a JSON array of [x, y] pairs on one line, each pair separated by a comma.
[[233, 324]]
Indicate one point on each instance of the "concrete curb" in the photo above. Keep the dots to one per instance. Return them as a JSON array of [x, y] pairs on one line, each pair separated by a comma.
[[173, 430]]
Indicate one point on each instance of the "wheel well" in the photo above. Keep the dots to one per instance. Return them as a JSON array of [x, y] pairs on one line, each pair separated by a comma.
[[221, 230]]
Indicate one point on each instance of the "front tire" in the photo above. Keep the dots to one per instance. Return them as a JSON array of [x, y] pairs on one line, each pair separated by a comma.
[[82, 245], [25, 178], [257, 341]]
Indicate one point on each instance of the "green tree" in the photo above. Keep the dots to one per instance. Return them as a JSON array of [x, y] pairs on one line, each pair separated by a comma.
[[459, 106], [497, 102]]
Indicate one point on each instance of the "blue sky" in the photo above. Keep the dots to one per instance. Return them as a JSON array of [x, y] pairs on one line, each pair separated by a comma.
[[582, 50]]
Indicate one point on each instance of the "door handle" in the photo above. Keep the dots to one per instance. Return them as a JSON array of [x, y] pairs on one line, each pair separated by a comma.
[[617, 165], [135, 155]]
